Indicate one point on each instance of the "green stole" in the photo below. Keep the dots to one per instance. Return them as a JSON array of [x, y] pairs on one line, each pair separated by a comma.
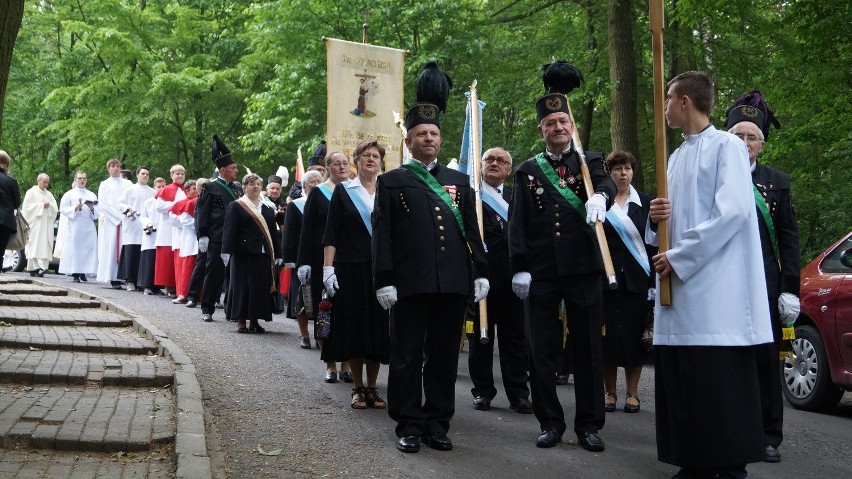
[[227, 187], [566, 192], [767, 219], [418, 169]]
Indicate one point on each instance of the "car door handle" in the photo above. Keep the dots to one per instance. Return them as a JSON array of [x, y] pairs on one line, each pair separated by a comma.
[[823, 309]]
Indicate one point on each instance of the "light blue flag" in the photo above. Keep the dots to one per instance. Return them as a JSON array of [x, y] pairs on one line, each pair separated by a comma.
[[466, 154]]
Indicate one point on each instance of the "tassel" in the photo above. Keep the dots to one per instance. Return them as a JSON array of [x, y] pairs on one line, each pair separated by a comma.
[[788, 333]]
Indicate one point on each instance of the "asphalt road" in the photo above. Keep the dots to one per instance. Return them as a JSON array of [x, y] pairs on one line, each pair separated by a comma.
[[263, 394]]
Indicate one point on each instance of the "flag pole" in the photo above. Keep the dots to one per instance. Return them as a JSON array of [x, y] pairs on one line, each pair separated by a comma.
[[476, 181], [657, 16]]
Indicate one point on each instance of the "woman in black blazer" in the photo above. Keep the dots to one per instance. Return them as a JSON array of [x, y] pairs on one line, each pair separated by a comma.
[[10, 200], [626, 308]]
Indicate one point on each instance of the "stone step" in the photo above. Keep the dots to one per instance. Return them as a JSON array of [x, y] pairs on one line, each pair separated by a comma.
[[38, 315], [86, 418], [41, 300], [35, 366], [32, 288], [43, 463], [77, 338]]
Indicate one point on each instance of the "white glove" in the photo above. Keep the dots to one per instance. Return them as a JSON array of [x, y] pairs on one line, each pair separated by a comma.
[[595, 209], [521, 284], [203, 243], [386, 296], [652, 294], [480, 289], [226, 258], [329, 279], [279, 262], [788, 306], [290, 265], [304, 273]]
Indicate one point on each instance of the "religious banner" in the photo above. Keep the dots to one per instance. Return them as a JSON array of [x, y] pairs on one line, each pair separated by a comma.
[[365, 88]]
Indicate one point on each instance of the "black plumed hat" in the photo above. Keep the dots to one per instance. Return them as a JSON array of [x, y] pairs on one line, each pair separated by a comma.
[[560, 78], [221, 154], [274, 179], [751, 107], [433, 89], [318, 156]]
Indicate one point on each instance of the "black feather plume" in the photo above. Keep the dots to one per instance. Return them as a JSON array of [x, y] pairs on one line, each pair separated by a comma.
[[755, 99], [433, 86], [561, 77]]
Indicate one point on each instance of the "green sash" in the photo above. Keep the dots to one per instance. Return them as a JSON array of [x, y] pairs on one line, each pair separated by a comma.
[[767, 219], [566, 192], [227, 187], [418, 169]]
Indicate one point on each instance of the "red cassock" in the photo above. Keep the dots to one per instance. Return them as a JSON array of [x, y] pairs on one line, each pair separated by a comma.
[[164, 269], [184, 264]]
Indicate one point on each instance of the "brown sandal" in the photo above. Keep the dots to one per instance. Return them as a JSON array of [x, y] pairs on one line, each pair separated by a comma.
[[358, 401], [373, 399]]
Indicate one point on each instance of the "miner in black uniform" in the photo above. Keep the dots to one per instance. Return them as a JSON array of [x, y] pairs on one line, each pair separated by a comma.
[[749, 119], [504, 309], [555, 257], [427, 260], [209, 220]]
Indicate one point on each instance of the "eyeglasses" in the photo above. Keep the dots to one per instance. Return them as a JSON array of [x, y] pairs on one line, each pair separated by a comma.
[[496, 159], [748, 138]]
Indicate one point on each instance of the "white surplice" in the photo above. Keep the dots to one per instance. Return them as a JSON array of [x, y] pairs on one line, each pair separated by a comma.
[[79, 249], [109, 226], [39, 248], [718, 284], [133, 198]]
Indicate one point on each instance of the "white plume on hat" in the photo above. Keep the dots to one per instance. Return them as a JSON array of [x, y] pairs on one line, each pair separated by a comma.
[[284, 174]]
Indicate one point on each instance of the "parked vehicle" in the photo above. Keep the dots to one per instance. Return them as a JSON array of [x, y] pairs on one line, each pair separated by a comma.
[[17, 260], [821, 370]]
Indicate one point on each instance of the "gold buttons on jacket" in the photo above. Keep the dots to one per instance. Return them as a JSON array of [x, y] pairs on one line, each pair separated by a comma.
[[556, 225], [441, 227], [441, 238], [443, 249], [437, 209], [440, 218], [557, 234]]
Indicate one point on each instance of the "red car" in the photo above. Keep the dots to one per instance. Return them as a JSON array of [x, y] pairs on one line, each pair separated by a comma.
[[821, 370]]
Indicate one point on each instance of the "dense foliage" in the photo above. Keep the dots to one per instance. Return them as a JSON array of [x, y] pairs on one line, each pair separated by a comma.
[[152, 80]]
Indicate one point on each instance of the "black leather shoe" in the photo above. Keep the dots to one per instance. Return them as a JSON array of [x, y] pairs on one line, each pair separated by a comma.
[[548, 438], [408, 444], [482, 403], [772, 454], [331, 377], [438, 441], [522, 405], [206, 317], [220, 306], [591, 441], [191, 303], [346, 376]]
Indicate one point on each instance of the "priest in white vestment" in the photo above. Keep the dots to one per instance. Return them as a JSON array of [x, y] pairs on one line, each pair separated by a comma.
[[109, 225], [130, 203], [79, 251], [39, 209]]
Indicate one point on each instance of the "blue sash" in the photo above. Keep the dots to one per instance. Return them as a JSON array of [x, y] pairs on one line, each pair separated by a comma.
[[363, 209], [628, 240], [326, 191], [495, 205], [300, 203]]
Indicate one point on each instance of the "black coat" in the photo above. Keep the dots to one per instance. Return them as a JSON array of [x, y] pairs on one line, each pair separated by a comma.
[[242, 236], [496, 232], [210, 209], [547, 237], [291, 233], [345, 230], [417, 244], [10, 200], [774, 185], [630, 275]]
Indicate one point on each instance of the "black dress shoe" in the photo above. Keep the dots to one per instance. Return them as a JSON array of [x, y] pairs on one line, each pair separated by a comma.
[[331, 377], [191, 303], [522, 405], [772, 454], [482, 403], [256, 329], [548, 438], [220, 306], [83, 278], [206, 317], [408, 444], [590, 441], [40, 273], [438, 441], [76, 279]]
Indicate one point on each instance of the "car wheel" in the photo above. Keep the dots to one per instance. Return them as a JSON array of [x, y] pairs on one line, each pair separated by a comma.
[[14, 260], [807, 376]]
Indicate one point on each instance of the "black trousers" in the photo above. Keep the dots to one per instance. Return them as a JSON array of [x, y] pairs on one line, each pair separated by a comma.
[[506, 312], [196, 280], [770, 382], [214, 280], [583, 296], [424, 356], [5, 234]]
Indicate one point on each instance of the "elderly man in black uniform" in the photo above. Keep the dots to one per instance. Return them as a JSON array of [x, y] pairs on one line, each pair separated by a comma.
[[749, 118], [554, 257], [209, 221], [427, 261], [504, 309]]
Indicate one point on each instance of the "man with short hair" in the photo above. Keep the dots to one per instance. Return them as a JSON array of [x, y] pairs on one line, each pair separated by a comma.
[[79, 251], [274, 198], [709, 338], [130, 203], [39, 209], [210, 221], [504, 309], [109, 223], [149, 219]]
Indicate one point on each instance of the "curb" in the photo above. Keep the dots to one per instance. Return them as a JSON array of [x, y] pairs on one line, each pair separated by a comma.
[[191, 455]]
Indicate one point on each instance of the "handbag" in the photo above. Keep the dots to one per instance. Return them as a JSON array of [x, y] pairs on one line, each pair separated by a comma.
[[277, 299], [648, 335], [18, 239], [307, 299], [322, 324]]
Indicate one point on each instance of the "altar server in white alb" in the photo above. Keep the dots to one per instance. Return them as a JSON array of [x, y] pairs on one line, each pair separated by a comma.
[[79, 251], [39, 209], [109, 224], [131, 203], [709, 420]]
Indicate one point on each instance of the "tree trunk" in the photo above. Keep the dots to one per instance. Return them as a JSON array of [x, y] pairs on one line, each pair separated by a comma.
[[587, 109], [622, 77], [11, 16]]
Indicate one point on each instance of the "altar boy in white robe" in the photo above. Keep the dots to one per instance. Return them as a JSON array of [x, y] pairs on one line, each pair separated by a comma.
[[109, 226], [79, 252], [131, 203], [708, 413], [39, 209]]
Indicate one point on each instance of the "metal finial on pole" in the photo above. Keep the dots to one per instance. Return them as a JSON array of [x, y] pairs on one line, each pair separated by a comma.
[[366, 25]]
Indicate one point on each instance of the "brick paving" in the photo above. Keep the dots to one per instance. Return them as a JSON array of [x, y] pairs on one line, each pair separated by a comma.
[[77, 338], [46, 315], [54, 301], [21, 464], [38, 366]]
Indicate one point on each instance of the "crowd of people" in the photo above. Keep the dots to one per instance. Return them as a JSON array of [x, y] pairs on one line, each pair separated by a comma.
[[390, 267]]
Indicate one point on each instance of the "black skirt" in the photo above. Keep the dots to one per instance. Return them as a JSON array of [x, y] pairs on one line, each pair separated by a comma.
[[249, 294], [625, 313], [147, 260], [359, 326], [708, 406], [128, 265]]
